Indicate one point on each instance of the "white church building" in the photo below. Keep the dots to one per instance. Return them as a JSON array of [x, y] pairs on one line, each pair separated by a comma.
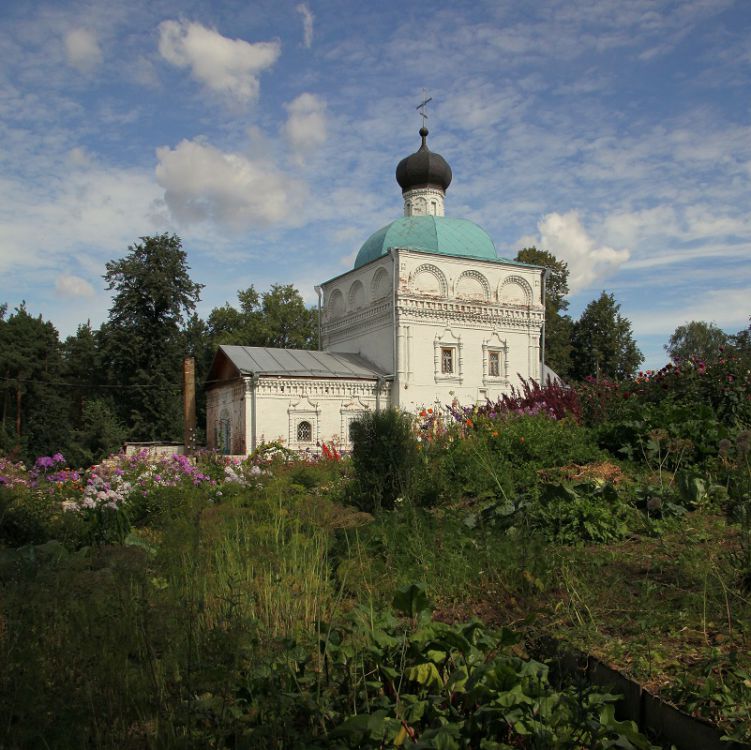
[[429, 315]]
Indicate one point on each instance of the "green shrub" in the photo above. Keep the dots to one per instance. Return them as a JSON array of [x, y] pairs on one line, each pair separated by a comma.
[[570, 513], [384, 456], [501, 458]]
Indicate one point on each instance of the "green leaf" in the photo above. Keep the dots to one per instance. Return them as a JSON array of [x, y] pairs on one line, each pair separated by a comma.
[[411, 600], [425, 674]]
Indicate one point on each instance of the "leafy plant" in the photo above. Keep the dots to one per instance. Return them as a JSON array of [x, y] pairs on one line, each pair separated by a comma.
[[384, 455], [574, 512]]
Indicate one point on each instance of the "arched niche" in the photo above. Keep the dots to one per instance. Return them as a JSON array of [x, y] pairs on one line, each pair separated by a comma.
[[429, 279], [336, 307], [356, 295], [515, 290], [380, 287], [472, 285]]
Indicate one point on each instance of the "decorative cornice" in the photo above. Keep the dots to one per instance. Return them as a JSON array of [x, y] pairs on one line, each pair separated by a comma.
[[342, 333], [290, 388], [361, 317], [462, 311]]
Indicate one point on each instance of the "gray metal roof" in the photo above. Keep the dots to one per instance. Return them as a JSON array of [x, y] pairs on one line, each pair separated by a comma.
[[262, 360]]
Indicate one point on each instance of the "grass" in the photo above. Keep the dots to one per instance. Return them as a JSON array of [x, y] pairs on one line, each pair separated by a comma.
[[164, 641]]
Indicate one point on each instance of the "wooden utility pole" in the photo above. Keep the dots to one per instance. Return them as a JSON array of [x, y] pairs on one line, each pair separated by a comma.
[[189, 404]]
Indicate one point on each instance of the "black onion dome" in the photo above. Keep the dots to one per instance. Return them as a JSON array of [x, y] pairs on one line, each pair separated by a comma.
[[424, 168]]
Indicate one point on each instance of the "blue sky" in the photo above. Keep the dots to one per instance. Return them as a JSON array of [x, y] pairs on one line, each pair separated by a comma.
[[615, 134]]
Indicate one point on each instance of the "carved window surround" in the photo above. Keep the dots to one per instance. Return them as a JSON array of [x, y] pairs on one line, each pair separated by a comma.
[[303, 410], [494, 352], [447, 348]]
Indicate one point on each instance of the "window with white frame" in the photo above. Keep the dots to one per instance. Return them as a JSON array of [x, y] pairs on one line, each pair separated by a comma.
[[304, 432], [448, 357], [494, 360]]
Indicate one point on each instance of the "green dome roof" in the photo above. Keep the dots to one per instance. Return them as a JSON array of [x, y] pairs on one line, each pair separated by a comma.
[[439, 235]]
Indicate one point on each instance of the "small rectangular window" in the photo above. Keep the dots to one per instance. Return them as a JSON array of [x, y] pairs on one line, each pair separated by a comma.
[[447, 361], [494, 364]]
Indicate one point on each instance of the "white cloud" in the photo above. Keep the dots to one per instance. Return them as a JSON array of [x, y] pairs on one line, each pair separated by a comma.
[[564, 236], [227, 66], [203, 183], [43, 225], [68, 285], [305, 128], [632, 227], [726, 308], [82, 50], [307, 23], [78, 157]]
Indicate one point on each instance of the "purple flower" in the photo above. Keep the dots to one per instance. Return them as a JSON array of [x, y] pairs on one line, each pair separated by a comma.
[[58, 458], [44, 462]]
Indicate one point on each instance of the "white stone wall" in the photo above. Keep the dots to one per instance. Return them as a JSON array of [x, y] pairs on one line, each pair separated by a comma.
[[473, 309], [479, 311], [425, 201], [225, 413], [357, 314], [282, 404]]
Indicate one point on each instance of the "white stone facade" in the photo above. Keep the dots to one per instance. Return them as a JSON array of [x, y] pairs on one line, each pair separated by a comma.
[[443, 327], [300, 413], [427, 201]]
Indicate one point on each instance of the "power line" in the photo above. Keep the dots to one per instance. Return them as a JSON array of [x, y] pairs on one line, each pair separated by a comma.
[[170, 387]]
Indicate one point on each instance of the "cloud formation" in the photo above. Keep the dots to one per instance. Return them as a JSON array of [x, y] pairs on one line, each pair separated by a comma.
[[564, 236], [82, 50], [305, 128], [227, 66], [307, 23], [68, 285], [725, 307], [203, 183]]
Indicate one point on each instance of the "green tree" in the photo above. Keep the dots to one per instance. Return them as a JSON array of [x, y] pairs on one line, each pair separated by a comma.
[[34, 405], [742, 341], [143, 339], [285, 321], [98, 433], [277, 318], [696, 339], [558, 326], [603, 344]]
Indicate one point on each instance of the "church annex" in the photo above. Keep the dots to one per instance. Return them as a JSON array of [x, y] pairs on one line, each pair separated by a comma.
[[429, 315]]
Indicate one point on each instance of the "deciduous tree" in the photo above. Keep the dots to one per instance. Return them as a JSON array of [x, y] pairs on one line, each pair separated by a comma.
[[696, 339], [603, 344], [277, 318], [558, 326]]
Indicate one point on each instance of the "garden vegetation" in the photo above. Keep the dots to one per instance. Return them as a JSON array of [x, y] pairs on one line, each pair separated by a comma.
[[399, 597]]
